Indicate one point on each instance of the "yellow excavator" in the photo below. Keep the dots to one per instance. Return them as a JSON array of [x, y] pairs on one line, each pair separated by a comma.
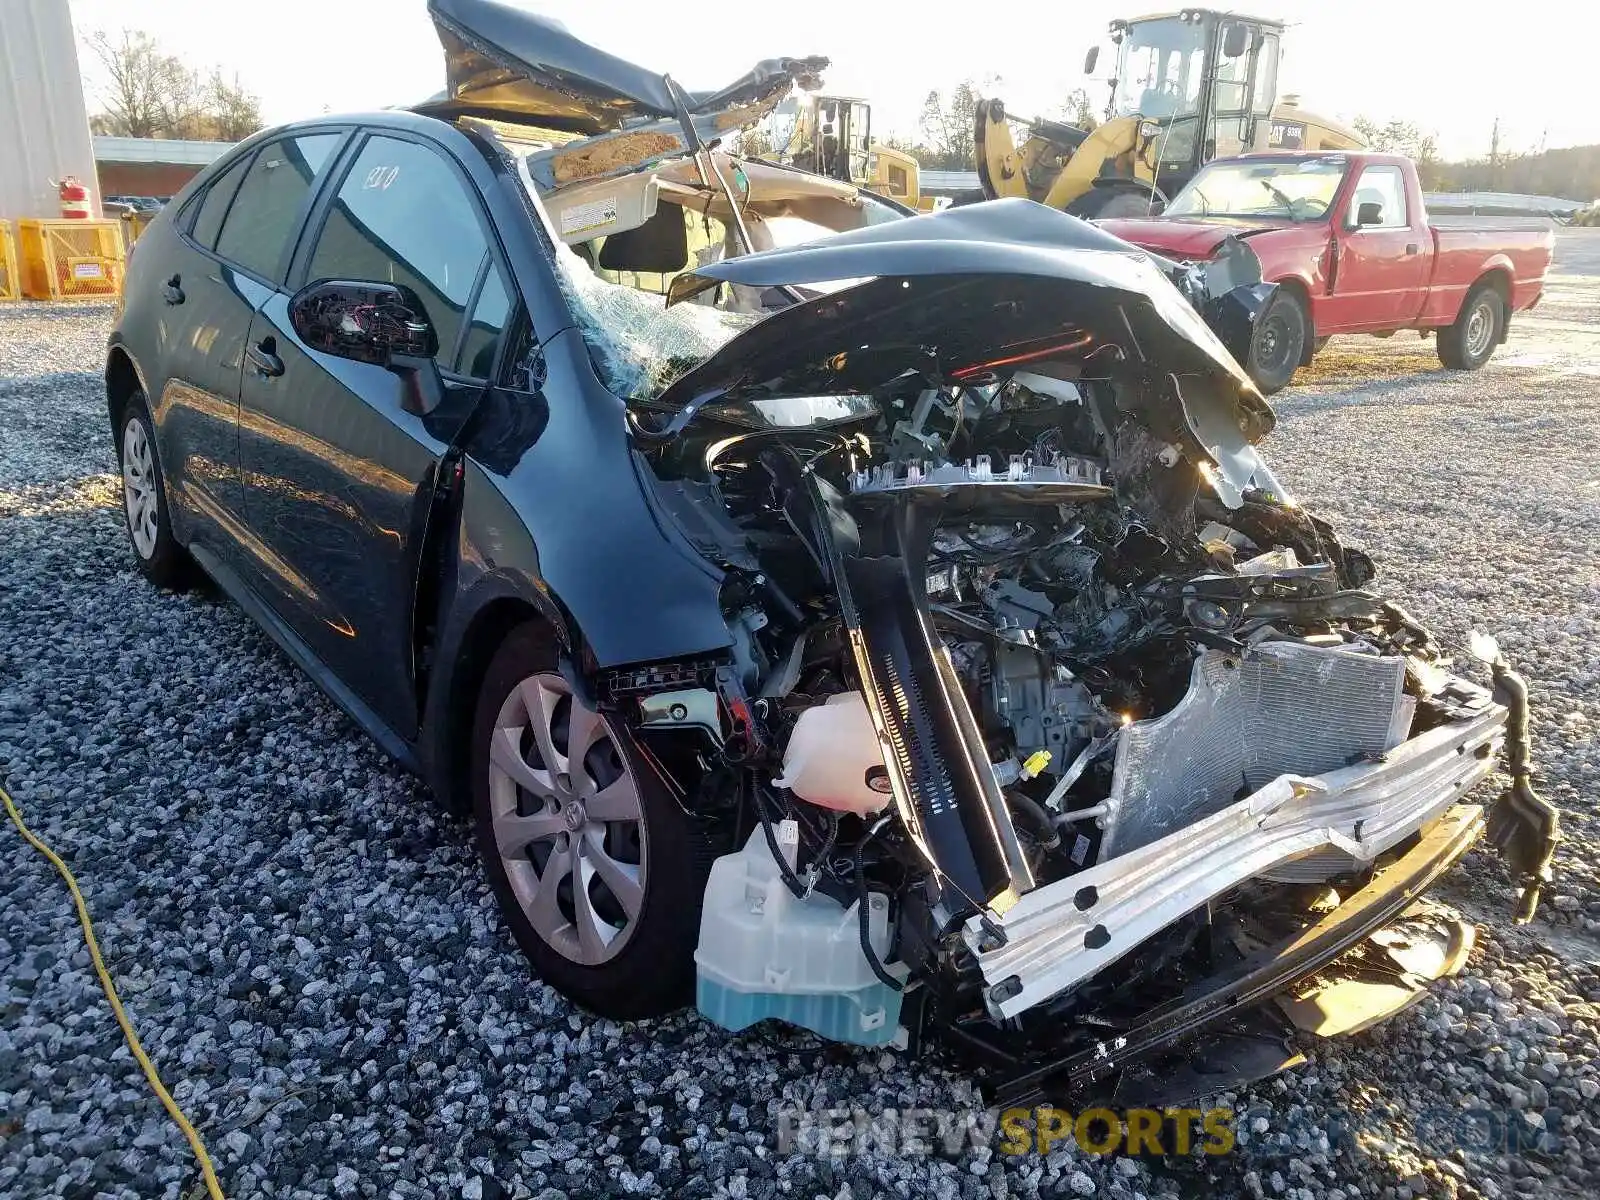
[[832, 136], [1189, 86]]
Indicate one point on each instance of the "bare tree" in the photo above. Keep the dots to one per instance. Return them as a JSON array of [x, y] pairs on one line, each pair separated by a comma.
[[152, 94], [1077, 109], [948, 123], [1403, 137], [139, 80], [233, 112]]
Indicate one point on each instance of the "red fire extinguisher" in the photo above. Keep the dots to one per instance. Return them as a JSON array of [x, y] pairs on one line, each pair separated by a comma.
[[74, 199]]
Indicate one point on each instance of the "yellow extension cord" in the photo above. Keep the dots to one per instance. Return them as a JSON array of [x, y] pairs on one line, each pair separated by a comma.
[[213, 1188]]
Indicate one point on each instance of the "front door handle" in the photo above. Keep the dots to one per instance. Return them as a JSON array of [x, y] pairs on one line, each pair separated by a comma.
[[1411, 247], [171, 292], [264, 358]]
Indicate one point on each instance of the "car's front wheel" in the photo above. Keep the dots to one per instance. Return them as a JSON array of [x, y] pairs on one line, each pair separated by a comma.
[[599, 872], [144, 501]]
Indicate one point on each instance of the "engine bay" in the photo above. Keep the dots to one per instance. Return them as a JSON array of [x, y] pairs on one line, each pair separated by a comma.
[[1043, 703], [1134, 656]]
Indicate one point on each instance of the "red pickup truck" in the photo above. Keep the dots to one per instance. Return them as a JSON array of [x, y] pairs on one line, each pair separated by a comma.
[[1346, 238]]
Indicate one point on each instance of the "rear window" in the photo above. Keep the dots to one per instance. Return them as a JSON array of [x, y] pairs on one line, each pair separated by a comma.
[[214, 204], [266, 210]]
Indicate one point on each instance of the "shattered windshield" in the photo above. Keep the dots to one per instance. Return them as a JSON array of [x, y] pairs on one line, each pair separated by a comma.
[[1295, 189], [640, 346]]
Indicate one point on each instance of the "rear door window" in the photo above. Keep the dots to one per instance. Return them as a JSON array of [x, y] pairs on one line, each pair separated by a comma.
[[404, 215], [266, 212], [214, 205]]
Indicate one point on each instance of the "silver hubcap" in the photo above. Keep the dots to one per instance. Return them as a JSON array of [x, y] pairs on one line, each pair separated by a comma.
[[567, 820], [1480, 327], [139, 488]]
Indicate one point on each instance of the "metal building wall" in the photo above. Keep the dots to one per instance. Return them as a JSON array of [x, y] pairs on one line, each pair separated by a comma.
[[44, 126]]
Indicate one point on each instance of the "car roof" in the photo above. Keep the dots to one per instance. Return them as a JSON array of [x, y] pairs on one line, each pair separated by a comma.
[[1366, 156]]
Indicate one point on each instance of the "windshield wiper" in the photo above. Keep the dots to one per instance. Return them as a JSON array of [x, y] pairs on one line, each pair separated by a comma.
[[675, 425], [1288, 204]]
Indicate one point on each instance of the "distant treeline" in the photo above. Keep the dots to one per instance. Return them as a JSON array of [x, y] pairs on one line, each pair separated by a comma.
[[1572, 172]]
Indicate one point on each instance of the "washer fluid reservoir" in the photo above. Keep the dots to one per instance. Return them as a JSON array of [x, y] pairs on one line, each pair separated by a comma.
[[764, 952]]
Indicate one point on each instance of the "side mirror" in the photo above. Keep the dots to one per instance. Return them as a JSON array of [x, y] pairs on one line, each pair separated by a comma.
[[1369, 213], [1235, 40], [1091, 59], [368, 322]]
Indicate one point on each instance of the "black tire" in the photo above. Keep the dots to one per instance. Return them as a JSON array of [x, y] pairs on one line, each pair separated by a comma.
[[1278, 343], [653, 972], [1478, 328], [145, 514]]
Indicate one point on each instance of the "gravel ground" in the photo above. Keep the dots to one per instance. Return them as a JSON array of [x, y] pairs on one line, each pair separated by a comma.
[[308, 947]]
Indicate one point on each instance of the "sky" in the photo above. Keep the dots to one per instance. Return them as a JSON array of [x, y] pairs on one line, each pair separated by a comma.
[[1451, 66]]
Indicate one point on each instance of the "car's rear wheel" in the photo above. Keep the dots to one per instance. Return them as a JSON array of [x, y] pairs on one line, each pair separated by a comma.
[[599, 873], [144, 501], [1469, 343], [1278, 343]]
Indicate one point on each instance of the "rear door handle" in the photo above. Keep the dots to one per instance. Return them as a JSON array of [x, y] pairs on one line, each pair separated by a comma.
[[264, 358], [171, 292], [1411, 247]]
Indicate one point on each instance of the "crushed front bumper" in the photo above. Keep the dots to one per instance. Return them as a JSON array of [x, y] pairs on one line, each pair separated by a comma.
[[1062, 934], [1257, 977]]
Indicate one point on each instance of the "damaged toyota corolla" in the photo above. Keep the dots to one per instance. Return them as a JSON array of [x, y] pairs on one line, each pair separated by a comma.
[[884, 624]]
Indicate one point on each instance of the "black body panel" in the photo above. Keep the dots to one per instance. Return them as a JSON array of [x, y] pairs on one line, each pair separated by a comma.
[[324, 543], [1005, 283], [505, 62], [194, 389], [339, 480]]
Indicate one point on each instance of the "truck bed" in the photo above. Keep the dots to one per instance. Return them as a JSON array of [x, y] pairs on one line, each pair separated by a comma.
[[1517, 251]]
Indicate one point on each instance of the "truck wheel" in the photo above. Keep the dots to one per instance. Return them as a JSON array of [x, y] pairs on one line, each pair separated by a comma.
[[1278, 343], [1467, 345]]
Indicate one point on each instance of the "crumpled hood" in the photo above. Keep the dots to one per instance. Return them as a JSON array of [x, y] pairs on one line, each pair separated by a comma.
[[506, 63], [1182, 239], [1008, 283]]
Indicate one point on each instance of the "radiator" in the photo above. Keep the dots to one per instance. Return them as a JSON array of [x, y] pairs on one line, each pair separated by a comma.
[[1281, 708]]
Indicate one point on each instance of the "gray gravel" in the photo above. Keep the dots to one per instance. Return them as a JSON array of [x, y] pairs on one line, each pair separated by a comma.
[[307, 945]]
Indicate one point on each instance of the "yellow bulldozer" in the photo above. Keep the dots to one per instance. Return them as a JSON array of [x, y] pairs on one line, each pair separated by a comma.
[[1188, 86]]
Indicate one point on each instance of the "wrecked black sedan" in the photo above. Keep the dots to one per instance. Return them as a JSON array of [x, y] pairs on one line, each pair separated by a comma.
[[884, 624]]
